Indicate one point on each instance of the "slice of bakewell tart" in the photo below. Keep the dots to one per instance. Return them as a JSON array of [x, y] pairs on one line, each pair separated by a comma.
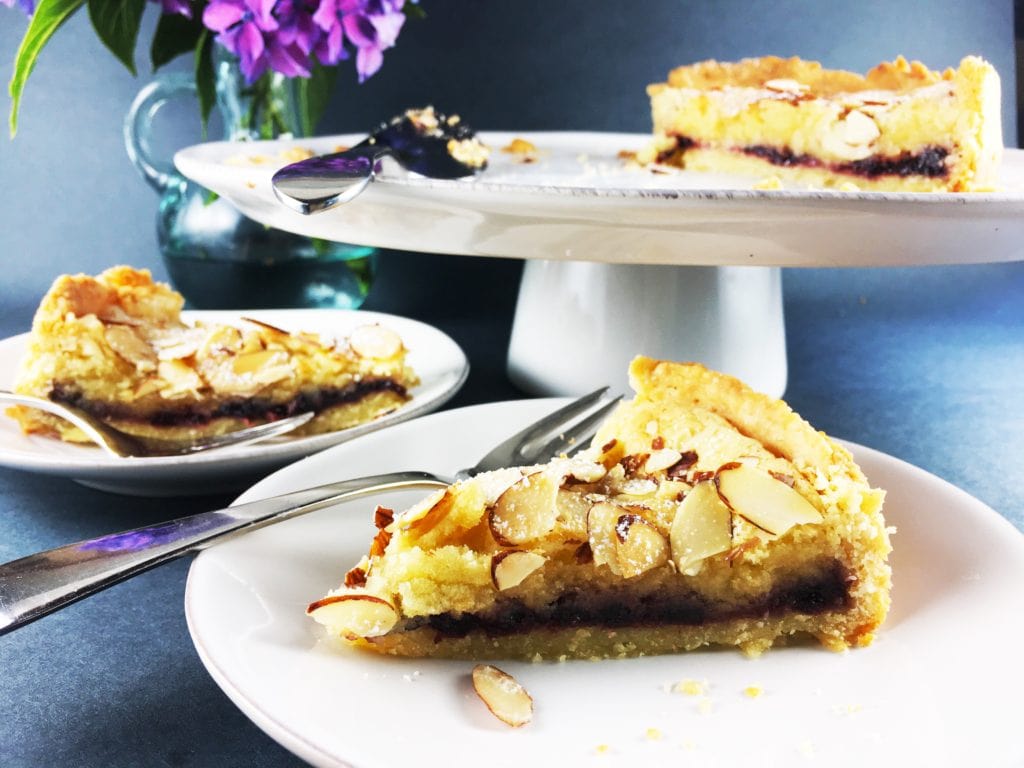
[[702, 514], [117, 347]]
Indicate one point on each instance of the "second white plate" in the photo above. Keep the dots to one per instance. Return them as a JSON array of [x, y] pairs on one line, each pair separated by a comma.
[[437, 359], [579, 201], [936, 688]]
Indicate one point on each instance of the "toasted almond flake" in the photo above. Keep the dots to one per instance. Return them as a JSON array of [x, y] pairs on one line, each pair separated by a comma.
[[354, 614], [375, 342], [511, 567], [504, 696], [129, 346]]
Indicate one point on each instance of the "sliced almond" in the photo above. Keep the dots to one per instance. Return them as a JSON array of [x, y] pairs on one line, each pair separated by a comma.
[[852, 137], [701, 528], [601, 521], [786, 85], [762, 500], [510, 568], [181, 379], [662, 459], [572, 508], [129, 346], [640, 546], [426, 514], [354, 614], [504, 696], [611, 453], [383, 516], [375, 342], [253, 362], [526, 511]]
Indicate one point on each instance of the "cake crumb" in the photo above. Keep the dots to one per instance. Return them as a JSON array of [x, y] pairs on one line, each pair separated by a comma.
[[806, 749], [753, 691], [653, 734], [602, 749], [769, 182], [413, 677], [704, 705], [691, 687]]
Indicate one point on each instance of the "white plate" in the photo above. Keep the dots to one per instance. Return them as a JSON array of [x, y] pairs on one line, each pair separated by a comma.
[[437, 359], [579, 201], [936, 688]]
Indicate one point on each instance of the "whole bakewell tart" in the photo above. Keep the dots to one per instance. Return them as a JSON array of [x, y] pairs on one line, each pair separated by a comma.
[[703, 513], [116, 347], [900, 127]]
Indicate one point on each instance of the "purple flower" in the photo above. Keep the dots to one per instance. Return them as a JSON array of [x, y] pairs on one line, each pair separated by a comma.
[[180, 7], [28, 6], [274, 34], [241, 25], [371, 26]]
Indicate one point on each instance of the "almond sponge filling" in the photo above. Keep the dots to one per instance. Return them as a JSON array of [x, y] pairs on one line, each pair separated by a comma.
[[828, 590], [929, 161], [246, 409]]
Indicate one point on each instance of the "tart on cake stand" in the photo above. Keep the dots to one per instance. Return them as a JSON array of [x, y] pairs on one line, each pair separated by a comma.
[[623, 260]]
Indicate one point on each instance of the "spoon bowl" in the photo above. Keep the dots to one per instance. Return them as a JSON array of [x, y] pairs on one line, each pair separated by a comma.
[[422, 141]]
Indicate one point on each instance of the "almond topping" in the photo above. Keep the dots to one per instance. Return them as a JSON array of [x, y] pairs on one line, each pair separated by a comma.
[[375, 342], [425, 515], [128, 345], [762, 500], [526, 510], [354, 614], [383, 516], [640, 546], [510, 568], [702, 527], [504, 696], [662, 459]]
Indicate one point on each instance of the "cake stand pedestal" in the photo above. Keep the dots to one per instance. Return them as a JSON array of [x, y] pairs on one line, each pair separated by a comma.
[[578, 324]]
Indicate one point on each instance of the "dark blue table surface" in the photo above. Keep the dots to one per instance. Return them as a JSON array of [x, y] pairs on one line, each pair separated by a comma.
[[924, 364]]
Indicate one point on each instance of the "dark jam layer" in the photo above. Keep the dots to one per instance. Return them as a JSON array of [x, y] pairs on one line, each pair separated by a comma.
[[929, 162], [827, 591], [245, 408]]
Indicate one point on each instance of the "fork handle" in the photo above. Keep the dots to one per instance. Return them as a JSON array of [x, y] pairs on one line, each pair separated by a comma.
[[39, 584]]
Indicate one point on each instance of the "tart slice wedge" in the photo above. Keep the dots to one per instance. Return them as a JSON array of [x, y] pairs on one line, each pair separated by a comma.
[[703, 513], [116, 346]]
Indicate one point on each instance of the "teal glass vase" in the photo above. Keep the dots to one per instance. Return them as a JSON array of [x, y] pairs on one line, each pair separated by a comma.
[[215, 256]]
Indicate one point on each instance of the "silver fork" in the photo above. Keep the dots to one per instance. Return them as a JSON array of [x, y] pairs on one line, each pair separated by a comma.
[[39, 584], [122, 445]]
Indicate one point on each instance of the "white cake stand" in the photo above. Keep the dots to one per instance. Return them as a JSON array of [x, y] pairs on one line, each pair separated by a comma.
[[623, 261]]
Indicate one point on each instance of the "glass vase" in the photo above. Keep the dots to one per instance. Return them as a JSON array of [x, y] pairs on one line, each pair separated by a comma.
[[216, 257]]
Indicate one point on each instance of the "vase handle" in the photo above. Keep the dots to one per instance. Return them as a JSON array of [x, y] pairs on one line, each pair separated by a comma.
[[138, 123]]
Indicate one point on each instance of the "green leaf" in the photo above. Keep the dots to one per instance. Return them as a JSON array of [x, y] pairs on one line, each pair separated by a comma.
[[175, 35], [206, 86], [414, 11], [312, 95], [117, 24], [47, 19]]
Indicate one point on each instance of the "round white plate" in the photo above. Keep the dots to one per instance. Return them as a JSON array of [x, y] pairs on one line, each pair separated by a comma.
[[580, 201], [437, 359], [936, 688]]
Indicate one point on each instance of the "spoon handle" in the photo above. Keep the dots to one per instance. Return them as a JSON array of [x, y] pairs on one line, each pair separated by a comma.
[[39, 584]]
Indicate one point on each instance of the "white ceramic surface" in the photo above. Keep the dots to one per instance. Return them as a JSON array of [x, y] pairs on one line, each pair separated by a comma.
[[580, 202], [578, 324], [937, 688], [439, 361]]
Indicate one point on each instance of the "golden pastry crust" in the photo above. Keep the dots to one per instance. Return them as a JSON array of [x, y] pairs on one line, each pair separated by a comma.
[[898, 75], [115, 345], [666, 534]]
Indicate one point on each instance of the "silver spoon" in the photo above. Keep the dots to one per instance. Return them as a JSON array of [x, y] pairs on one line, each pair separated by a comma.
[[123, 445], [418, 145]]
